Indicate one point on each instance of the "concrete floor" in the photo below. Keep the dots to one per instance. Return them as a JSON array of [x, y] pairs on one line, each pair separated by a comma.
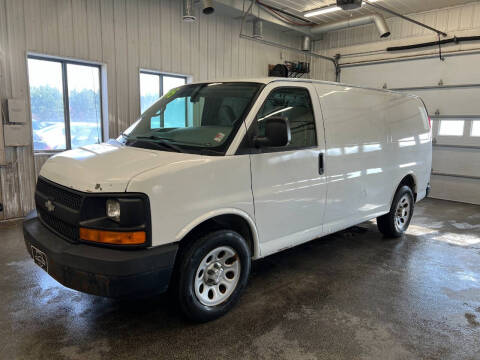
[[352, 295]]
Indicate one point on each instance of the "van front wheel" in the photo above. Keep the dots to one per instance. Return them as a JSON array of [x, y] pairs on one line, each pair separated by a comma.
[[395, 223], [213, 274]]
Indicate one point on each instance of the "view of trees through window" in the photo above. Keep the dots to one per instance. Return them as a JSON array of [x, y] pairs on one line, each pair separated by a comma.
[[49, 81], [155, 85]]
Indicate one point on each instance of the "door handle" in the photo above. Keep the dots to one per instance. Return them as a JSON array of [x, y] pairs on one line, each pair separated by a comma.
[[321, 167]]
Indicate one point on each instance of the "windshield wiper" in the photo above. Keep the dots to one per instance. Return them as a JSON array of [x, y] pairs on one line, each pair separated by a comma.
[[206, 151], [158, 141]]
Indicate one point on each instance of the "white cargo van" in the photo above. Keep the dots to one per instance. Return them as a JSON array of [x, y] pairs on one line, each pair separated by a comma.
[[217, 174]]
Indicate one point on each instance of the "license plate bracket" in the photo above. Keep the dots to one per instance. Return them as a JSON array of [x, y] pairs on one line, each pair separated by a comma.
[[40, 258]]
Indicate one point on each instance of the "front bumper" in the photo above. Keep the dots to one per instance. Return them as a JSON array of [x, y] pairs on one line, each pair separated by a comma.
[[98, 270]]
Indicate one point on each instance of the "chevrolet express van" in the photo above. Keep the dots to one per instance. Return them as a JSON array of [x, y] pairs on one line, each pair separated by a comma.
[[215, 175]]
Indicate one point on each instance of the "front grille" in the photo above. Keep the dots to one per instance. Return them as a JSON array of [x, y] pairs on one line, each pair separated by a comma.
[[58, 208], [59, 226], [62, 196]]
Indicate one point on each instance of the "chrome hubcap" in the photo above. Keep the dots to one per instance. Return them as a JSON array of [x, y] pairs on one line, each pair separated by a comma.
[[213, 273], [217, 276], [402, 213]]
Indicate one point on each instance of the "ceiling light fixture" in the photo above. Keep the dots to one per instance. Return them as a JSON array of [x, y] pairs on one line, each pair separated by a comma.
[[327, 9], [321, 11]]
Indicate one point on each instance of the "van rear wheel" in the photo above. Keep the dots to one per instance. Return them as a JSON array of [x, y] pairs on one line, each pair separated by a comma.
[[213, 274], [396, 222]]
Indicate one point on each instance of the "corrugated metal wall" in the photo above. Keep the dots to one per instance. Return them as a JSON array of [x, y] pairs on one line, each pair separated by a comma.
[[126, 35]]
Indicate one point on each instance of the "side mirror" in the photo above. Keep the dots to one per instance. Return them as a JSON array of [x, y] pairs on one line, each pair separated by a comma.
[[277, 133]]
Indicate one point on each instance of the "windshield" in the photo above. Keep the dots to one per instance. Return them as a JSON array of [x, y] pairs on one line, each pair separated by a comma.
[[194, 118]]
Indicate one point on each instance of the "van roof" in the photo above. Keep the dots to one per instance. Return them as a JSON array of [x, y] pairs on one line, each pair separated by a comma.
[[268, 80]]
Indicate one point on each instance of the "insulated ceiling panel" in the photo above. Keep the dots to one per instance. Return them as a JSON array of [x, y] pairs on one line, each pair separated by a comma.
[[404, 7]]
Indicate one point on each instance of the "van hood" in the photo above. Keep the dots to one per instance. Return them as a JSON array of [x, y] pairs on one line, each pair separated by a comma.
[[106, 167]]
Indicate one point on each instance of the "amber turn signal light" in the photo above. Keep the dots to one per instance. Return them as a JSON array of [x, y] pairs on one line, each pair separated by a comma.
[[113, 237]]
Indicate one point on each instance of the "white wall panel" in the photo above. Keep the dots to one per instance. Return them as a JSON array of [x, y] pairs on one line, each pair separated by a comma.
[[451, 101], [455, 70], [108, 57], [322, 69], [415, 73], [455, 189], [94, 29], [64, 24], [80, 27], [16, 178], [457, 161]]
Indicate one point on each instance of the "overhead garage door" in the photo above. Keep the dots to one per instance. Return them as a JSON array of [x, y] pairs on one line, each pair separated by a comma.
[[451, 92]]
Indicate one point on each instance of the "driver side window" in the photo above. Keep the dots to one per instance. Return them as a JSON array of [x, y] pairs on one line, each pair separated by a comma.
[[294, 105]]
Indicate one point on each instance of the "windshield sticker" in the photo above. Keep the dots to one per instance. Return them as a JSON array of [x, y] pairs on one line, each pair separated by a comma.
[[171, 93], [219, 137]]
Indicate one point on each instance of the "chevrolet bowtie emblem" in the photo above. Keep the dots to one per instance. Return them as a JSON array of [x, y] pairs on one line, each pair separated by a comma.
[[49, 205]]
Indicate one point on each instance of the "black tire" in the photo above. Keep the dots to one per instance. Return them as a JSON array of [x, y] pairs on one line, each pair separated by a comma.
[[190, 304], [387, 224]]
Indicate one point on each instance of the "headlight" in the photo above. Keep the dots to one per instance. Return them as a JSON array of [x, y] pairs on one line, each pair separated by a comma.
[[116, 219], [113, 209]]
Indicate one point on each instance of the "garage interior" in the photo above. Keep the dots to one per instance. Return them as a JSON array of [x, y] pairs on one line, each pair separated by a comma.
[[350, 295]]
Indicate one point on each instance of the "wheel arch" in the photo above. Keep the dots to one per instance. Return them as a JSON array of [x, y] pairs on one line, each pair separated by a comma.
[[409, 180], [233, 219]]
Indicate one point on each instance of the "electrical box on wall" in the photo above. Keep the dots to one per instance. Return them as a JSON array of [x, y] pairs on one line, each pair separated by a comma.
[[16, 111], [16, 135]]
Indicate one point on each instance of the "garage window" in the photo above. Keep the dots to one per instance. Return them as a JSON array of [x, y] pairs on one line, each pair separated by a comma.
[[451, 127], [154, 85], [475, 128], [457, 131], [65, 101]]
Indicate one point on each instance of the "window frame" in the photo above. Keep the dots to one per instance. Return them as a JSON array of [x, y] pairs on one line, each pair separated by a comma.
[[247, 143], [66, 101], [160, 74], [476, 120], [442, 121], [465, 140]]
